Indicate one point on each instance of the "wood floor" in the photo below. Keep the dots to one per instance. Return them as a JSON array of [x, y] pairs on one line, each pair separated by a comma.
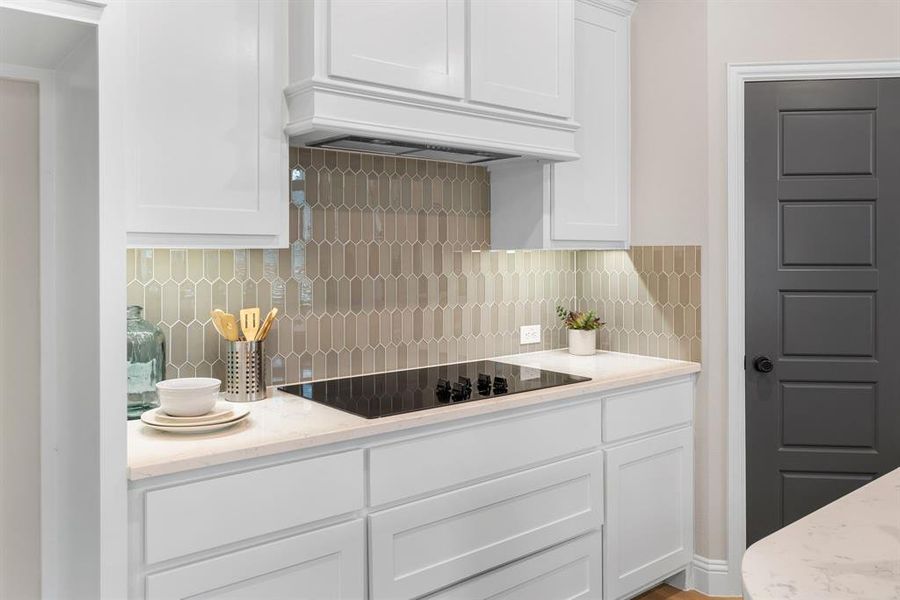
[[666, 592]]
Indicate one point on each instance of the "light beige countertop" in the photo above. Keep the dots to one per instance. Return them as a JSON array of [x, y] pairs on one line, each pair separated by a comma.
[[283, 422], [847, 550]]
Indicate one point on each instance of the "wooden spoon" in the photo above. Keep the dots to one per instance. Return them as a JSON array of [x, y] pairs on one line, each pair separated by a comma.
[[226, 324]]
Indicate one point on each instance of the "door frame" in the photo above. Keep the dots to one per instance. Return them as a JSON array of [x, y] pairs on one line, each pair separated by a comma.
[[738, 75], [45, 79]]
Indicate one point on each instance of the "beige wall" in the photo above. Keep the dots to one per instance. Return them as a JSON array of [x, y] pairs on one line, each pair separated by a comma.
[[20, 466], [667, 175], [669, 121]]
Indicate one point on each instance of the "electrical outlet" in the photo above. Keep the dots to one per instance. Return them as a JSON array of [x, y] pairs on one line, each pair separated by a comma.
[[530, 334]]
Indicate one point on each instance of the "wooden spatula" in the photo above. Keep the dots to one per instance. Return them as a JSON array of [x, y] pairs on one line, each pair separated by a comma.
[[250, 323], [267, 325]]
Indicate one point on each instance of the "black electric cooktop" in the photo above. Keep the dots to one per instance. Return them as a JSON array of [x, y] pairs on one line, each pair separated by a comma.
[[385, 394]]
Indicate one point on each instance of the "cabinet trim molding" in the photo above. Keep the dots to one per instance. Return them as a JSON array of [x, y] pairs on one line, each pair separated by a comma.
[[620, 7], [320, 111], [83, 11], [434, 103]]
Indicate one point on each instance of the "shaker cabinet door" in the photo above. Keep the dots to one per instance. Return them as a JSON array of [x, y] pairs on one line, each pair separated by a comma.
[[206, 155], [521, 54], [590, 199], [649, 511], [584, 203], [416, 46]]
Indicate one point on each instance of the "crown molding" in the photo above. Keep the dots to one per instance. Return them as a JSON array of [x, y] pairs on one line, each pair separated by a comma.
[[400, 97], [620, 7]]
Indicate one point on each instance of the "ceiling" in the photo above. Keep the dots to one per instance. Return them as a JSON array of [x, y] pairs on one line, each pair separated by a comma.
[[38, 41]]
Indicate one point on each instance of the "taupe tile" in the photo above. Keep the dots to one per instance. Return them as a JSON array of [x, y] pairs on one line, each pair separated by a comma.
[[382, 272], [658, 291]]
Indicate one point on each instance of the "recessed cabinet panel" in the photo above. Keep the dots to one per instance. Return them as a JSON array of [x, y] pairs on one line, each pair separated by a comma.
[[204, 143], [571, 571], [192, 517], [649, 508], [647, 409], [426, 545], [521, 54], [585, 203], [413, 45], [465, 454], [328, 564], [590, 195]]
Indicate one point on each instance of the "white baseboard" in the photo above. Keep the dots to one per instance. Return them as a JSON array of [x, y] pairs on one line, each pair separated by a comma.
[[709, 576]]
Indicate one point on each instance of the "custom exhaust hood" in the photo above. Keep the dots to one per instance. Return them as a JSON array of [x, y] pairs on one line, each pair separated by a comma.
[[376, 145], [338, 116], [406, 79]]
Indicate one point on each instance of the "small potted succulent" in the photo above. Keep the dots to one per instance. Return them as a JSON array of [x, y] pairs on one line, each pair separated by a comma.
[[582, 326]]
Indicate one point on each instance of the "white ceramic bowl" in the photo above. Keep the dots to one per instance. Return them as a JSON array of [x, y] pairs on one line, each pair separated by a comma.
[[188, 396]]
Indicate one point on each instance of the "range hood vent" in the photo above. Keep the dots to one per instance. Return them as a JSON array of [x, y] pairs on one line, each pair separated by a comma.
[[375, 145]]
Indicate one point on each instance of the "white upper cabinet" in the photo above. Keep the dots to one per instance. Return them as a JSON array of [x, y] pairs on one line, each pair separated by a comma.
[[493, 76], [590, 195], [582, 203], [206, 153], [521, 54], [427, 56]]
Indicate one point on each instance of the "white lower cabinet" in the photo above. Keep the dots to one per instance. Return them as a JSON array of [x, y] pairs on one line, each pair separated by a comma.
[[649, 508], [328, 564], [426, 545], [590, 499], [184, 519], [570, 571]]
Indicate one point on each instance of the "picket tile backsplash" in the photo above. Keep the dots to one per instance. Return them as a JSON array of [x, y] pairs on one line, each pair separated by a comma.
[[389, 267]]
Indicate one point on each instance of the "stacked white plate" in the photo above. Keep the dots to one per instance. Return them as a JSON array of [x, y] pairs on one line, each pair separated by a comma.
[[223, 414]]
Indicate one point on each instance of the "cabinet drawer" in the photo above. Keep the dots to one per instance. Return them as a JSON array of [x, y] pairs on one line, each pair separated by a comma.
[[456, 457], [571, 571], [648, 409], [426, 545], [328, 564], [197, 516]]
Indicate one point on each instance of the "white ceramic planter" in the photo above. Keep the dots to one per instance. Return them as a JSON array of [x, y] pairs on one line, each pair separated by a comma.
[[582, 343]]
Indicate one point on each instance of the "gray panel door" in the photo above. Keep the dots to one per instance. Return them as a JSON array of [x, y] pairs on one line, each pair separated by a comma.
[[823, 293]]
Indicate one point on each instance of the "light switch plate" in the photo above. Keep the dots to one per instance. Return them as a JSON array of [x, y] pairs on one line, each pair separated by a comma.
[[530, 334]]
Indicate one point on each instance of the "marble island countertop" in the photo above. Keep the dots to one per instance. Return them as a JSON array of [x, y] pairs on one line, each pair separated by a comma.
[[847, 550], [282, 422]]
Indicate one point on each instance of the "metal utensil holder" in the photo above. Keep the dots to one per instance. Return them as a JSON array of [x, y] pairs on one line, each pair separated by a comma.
[[245, 377]]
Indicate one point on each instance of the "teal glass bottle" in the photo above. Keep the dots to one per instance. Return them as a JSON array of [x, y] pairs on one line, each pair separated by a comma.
[[146, 362]]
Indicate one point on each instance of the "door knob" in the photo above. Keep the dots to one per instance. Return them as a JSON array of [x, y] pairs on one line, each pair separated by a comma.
[[763, 364]]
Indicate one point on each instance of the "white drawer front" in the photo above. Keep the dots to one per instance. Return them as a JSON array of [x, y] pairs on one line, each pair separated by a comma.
[[429, 544], [456, 457], [328, 564], [648, 409], [197, 516], [572, 571]]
